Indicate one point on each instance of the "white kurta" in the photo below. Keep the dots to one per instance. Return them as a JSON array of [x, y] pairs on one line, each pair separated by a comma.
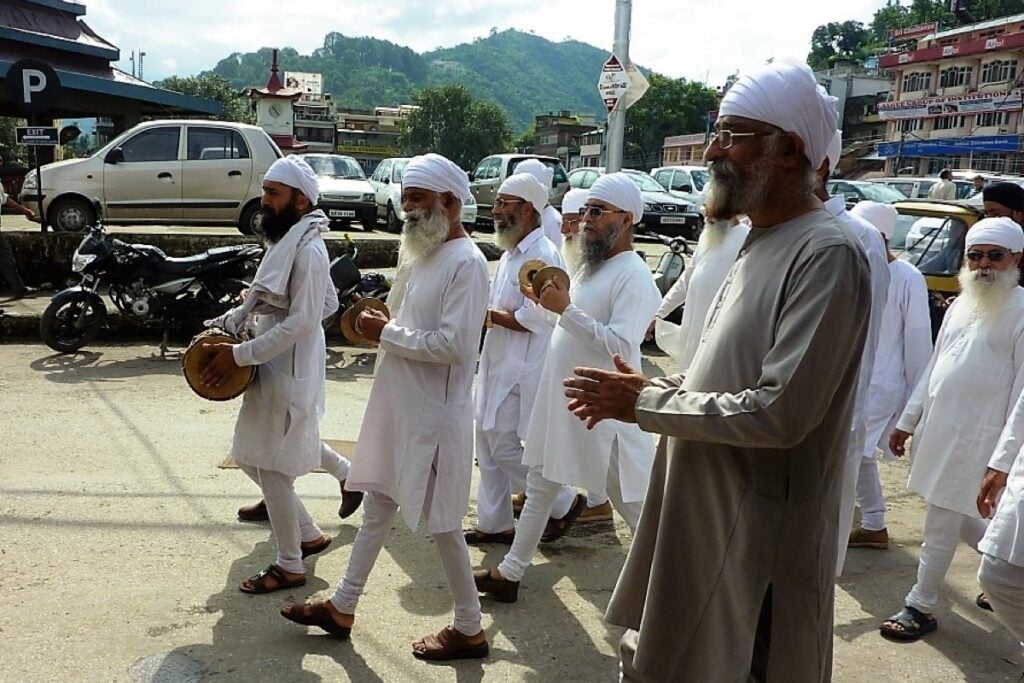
[[551, 221], [1005, 535], [962, 402], [698, 287], [905, 341], [419, 414], [512, 359], [609, 314], [277, 427]]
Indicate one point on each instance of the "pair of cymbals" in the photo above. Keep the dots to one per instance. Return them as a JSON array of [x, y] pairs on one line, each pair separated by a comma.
[[536, 274], [348, 320]]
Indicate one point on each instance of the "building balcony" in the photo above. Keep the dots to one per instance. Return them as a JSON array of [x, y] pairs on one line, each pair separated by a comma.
[[978, 46]]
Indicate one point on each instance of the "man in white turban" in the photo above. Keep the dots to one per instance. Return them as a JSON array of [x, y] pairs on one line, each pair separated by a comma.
[[412, 454], [518, 331], [874, 248], [277, 435], [957, 410], [602, 315], [730, 576], [550, 218], [905, 344]]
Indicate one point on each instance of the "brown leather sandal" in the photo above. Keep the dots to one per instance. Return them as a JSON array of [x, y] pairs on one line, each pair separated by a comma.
[[317, 546], [448, 645], [316, 614], [259, 581], [477, 537]]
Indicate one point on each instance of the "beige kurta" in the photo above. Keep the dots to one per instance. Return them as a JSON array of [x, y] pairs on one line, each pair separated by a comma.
[[744, 494]]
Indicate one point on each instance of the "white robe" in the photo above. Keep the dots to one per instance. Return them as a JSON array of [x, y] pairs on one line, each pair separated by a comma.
[[511, 359], [697, 289], [609, 314], [551, 221], [277, 427], [905, 341], [1004, 537], [419, 414], [962, 402]]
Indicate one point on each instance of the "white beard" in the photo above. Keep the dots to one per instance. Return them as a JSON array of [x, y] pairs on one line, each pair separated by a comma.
[[986, 290], [422, 233], [507, 234], [571, 253], [714, 233]]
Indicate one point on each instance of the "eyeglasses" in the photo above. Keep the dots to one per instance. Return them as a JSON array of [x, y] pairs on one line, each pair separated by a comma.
[[725, 137], [596, 211], [501, 203], [994, 256]]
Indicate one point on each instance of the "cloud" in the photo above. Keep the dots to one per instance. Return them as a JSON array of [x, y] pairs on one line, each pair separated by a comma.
[[697, 41]]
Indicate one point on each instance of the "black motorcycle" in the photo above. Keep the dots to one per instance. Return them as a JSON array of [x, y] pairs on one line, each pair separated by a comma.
[[148, 287], [352, 285]]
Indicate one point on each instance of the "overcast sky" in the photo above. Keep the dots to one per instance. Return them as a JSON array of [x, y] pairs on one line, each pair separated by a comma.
[[706, 40]]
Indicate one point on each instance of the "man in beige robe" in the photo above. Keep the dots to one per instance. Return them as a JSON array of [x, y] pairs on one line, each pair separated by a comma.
[[730, 575]]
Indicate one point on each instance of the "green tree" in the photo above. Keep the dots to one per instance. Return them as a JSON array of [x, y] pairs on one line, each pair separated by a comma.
[[527, 140], [213, 87], [14, 154], [451, 122], [670, 107], [835, 40]]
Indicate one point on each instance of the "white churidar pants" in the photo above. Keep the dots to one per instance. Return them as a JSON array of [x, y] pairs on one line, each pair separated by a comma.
[[869, 496], [333, 462], [943, 529], [1003, 584], [289, 520]]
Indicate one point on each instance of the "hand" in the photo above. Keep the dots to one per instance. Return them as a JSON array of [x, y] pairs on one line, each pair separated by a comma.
[[649, 334], [220, 367], [598, 395], [31, 215], [991, 487], [370, 323], [528, 293], [554, 297], [244, 294], [898, 441]]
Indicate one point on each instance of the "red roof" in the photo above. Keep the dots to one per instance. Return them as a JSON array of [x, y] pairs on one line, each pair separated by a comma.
[[288, 142]]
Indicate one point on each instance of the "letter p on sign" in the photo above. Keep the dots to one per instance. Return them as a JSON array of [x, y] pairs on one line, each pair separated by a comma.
[[32, 81], [32, 86]]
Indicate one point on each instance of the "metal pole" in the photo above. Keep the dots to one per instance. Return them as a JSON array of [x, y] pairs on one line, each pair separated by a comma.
[[617, 118]]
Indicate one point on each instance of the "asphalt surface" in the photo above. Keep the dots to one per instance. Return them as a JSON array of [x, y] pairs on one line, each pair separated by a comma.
[[121, 554]]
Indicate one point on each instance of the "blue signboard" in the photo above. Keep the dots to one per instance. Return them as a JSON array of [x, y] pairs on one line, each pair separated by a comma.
[[978, 144]]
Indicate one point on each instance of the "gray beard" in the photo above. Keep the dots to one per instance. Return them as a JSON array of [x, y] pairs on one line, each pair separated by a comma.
[[714, 233], [422, 233], [731, 193], [571, 253], [593, 250], [986, 290], [508, 232]]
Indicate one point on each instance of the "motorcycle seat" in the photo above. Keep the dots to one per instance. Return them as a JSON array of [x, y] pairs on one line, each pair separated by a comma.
[[186, 265]]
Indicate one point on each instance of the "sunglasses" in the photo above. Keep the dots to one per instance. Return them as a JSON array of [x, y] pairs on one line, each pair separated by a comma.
[[993, 256], [596, 211]]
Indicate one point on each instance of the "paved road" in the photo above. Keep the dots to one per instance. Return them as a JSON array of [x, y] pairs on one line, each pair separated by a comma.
[[121, 555]]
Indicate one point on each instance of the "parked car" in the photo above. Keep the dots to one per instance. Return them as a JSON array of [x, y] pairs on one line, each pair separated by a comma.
[[917, 188], [170, 172], [345, 195], [859, 190], [387, 190], [663, 213], [491, 172], [684, 181]]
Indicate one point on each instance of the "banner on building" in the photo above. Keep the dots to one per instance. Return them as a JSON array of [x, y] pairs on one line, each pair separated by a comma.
[[908, 32], [311, 85], [977, 144], [954, 105]]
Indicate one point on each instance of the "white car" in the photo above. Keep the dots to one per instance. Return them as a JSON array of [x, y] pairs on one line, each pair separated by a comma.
[[345, 194], [387, 188], [171, 172], [687, 182]]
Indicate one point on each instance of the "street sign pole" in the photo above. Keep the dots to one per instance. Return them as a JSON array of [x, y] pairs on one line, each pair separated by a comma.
[[617, 117], [39, 183]]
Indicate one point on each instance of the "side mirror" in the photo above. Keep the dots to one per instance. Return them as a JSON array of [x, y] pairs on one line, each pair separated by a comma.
[[852, 198], [387, 180], [115, 156], [685, 187], [472, 176]]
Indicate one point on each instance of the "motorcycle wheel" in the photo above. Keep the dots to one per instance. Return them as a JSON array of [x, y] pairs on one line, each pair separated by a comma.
[[70, 324]]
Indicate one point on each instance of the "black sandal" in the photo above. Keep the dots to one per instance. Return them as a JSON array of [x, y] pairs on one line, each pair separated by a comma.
[[982, 602], [477, 537], [913, 623], [259, 582]]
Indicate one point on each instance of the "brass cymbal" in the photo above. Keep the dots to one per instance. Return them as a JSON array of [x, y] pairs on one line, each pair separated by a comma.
[[528, 270], [548, 274], [348, 319]]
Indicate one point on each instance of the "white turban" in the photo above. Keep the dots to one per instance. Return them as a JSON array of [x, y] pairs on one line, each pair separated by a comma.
[[527, 187], [544, 174], [438, 174], [1002, 232], [785, 95], [620, 191], [834, 151], [573, 201], [294, 172], [882, 216]]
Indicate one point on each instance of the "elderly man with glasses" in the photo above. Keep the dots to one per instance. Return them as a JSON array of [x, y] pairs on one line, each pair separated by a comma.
[[956, 413], [604, 313]]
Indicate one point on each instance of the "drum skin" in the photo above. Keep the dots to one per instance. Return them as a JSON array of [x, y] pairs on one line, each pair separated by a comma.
[[199, 354]]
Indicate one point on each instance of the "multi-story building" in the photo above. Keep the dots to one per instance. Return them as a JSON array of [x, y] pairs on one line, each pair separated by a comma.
[[370, 136], [315, 124], [591, 149], [684, 150], [558, 135], [859, 89], [956, 100]]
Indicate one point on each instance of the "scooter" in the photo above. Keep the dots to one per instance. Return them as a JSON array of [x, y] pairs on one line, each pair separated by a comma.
[[671, 265], [352, 285]]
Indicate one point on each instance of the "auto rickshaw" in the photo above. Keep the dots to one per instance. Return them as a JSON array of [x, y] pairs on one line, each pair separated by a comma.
[[930, 234]]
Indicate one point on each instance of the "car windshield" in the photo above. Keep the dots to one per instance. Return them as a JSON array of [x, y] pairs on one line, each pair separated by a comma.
[[700, 178], [932, 243], [336, 167], [881, 193], [398, 170], [645, 182]]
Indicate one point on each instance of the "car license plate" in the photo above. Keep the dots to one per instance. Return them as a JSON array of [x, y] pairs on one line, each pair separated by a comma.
[[339, 213], [673, 220]]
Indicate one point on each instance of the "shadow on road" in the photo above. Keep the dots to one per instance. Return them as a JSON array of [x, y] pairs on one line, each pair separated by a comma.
[[89, 366]]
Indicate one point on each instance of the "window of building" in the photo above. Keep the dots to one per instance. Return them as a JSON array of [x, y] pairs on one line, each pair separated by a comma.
[[909, 125], [999, 71], [950, 122], [917, 80], [955, 76], [993, 118], [988, 162]]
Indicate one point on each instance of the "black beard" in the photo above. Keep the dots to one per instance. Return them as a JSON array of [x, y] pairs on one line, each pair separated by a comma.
[[273, 226]]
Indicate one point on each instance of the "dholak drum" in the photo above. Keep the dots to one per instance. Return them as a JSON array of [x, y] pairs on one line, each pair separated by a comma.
[[198, 356]]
